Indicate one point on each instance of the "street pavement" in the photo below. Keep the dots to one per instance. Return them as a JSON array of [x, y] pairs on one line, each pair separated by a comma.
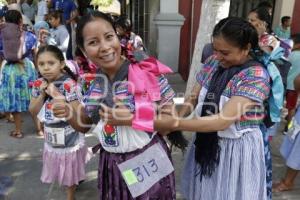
[[21, 165]]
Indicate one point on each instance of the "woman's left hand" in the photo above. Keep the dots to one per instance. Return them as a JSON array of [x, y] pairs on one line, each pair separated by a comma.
[[119, 115]]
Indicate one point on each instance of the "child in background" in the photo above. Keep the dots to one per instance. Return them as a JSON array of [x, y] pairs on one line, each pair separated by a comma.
[[64, 149], [2, 13], [132, 44], [17, 71], [58, 32], [127, 37], [291, 93], [41, 30], [290, 149]]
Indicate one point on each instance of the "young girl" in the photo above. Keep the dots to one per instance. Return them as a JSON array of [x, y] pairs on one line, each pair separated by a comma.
[[64, 150], [134, 161], [17, 71]]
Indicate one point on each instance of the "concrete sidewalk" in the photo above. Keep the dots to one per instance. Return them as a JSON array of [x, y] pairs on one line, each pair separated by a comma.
[[21, 162]]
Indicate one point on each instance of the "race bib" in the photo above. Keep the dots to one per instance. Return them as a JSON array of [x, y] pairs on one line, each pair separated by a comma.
[[144, 170], [57, 136], [293, 129]]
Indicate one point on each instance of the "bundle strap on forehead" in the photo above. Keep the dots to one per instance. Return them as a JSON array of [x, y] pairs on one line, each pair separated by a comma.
[[144, 85]]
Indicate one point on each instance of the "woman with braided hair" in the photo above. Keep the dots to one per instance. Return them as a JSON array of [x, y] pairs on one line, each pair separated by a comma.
[[226, 156]]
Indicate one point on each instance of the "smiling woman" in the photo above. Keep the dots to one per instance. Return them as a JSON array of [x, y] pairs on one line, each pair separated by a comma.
[[227, 152], [102, 46], [121, 102]]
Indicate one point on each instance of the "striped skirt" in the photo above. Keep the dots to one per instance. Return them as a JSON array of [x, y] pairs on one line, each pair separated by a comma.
[[241, 174]]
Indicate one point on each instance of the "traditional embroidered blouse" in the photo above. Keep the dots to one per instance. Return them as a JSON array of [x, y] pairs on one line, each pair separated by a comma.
[[252, 83]]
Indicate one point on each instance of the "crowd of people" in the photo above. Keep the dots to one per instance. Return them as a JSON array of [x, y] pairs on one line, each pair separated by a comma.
[[108, 85]]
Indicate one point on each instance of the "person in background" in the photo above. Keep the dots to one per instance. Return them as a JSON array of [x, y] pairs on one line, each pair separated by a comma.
[[267, 5], [70, 13], [3, 9], [283, 31], [17, 71], [58, 35], [128, 39], [2, 21], [15, 5], [41, 30], [29, 9], [291, 93], [42, 10], [261, 20], [290, 149]]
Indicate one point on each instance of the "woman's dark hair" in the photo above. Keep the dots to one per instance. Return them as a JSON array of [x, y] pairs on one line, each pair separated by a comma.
[[13, 16], [263, 15], [91, 16], [57, 54], [56, 14], [237, 31], [124, 23], [265, 4]]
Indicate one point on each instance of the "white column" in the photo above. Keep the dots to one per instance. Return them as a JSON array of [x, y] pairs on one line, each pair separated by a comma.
[[282, 8], [169, 23], [211, 13]]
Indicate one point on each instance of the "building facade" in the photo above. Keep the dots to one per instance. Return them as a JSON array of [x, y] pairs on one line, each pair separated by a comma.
[[169, 27]]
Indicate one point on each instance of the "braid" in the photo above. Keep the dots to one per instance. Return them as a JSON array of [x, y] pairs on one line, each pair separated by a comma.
[[73, 76], [178, 140]]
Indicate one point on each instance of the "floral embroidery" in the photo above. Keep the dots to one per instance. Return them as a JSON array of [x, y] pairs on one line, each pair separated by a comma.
[[67, 87], [37, 83], [110, 135]]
